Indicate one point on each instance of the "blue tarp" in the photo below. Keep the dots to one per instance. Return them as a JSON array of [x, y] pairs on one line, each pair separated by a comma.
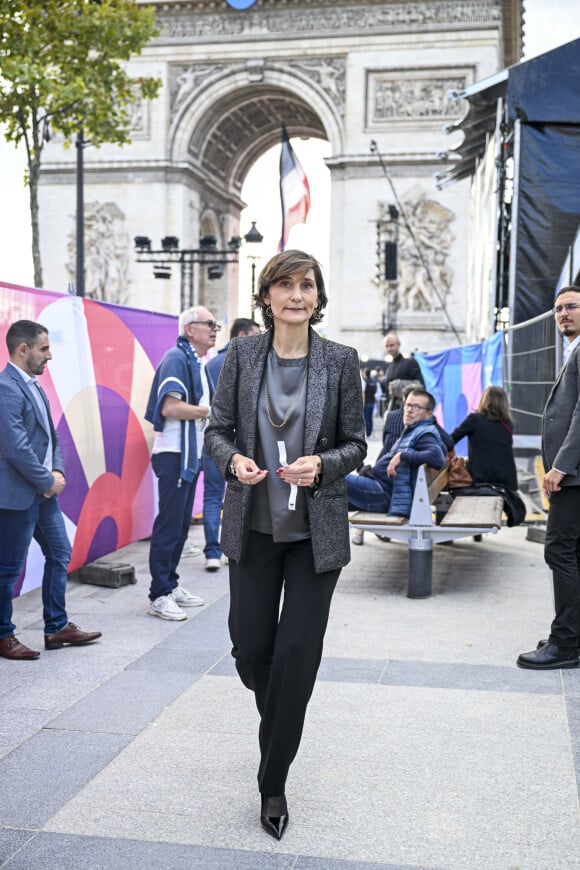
[[457, 377]]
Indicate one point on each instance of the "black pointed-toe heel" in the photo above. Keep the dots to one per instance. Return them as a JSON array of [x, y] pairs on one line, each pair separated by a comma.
[[274, 815]]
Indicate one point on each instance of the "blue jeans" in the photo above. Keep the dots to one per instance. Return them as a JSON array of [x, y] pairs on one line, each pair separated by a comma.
[[213, 495], [171, 525], [43, 520], [367, 494]]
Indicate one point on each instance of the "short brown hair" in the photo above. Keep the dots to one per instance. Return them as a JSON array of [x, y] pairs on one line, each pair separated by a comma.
[[420, 391], [283, 265]]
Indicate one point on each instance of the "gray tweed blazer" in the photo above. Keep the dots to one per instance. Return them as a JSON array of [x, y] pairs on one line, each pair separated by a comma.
[[334, 429], [561, 423]]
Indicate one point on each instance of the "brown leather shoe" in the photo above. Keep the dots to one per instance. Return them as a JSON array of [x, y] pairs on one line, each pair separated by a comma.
[[70, 634], [10, 648]]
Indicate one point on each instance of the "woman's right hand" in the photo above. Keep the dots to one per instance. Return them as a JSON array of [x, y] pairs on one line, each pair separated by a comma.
[[247, 471]]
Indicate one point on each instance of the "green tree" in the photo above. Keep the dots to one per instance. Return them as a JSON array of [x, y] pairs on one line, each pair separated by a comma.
[[62, 64]]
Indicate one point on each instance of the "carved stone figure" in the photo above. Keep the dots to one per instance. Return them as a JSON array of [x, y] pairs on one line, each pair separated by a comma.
[[186, 80], [330, 74], [430, 222], [107, 249]]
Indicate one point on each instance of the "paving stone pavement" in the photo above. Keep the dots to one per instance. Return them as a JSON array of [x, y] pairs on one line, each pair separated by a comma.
[[425, 747]]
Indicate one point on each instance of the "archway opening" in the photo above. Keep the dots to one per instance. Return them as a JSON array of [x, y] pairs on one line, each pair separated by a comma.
[[261, 193]]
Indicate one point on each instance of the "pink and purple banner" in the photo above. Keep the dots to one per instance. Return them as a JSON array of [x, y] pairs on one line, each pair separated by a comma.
[[104, 358]]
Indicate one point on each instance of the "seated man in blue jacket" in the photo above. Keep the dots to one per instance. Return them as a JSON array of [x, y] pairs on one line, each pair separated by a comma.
[[389, 486]]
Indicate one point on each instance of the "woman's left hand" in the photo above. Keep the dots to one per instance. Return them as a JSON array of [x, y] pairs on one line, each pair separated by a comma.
[[302, 472]]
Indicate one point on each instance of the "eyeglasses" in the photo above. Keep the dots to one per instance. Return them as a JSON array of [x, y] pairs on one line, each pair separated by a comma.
[[568, 307], [413, 407], [212, 324]]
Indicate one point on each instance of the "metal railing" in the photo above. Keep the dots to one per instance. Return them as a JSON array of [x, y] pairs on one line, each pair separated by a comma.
[[533, 356]]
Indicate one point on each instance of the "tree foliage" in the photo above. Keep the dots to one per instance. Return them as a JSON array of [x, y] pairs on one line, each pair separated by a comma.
[[62, 67]]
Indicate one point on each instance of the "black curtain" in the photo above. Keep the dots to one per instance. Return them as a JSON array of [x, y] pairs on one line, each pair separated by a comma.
[[548, 215]]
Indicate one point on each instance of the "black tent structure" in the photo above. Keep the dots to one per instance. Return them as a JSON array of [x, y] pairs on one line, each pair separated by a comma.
[[521, 149]]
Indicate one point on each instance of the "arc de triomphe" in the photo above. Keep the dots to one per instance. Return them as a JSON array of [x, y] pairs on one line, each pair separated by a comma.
[[345, 71]]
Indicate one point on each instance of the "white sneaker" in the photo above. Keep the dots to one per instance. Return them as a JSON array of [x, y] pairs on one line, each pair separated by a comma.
[[191, 550], [212, 564], [166, 608], [358, 537], [185, 598]]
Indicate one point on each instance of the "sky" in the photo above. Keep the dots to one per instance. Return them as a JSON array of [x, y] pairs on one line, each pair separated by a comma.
[[548, 23]]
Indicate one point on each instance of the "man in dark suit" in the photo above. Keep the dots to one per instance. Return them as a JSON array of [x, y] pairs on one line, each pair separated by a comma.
[[31, 477], [400, 369], [561, 457]]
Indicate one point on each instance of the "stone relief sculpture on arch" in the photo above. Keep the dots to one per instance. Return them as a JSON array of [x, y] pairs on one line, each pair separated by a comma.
[[430, 222], [107, 249]]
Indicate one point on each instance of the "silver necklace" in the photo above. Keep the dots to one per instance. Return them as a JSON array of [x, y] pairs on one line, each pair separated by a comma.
[[291, 406]]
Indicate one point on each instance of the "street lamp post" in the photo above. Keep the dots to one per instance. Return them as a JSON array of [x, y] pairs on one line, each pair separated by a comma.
[[253, 237], [79, 287], [80, 265]]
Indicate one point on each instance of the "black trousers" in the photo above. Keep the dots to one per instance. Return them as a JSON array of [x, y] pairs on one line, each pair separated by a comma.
[[562, 553], [278, 649]]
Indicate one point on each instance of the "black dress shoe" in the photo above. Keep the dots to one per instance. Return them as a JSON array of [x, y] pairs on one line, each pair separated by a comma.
[[549, 657], [545, 642], [274, 815]]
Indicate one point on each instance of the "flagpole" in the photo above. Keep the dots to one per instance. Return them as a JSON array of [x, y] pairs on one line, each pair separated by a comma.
[[285, 141]]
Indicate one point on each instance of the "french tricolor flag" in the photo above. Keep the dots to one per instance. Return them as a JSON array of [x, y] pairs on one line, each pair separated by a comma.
[[294, 190]]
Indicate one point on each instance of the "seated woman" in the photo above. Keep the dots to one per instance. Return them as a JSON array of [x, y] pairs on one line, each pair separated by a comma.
[[389, 485], [489, 432]]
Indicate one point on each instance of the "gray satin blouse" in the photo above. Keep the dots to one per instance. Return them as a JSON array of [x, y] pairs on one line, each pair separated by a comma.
[[277, 508]]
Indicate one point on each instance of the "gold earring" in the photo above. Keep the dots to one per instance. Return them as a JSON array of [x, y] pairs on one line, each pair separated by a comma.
[[317, 314]]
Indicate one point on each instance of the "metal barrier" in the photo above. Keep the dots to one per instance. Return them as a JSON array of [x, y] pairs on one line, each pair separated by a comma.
[[532, 359], [533, 356]]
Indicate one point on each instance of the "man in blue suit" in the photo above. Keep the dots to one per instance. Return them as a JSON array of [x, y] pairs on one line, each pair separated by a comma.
[[31, 477]]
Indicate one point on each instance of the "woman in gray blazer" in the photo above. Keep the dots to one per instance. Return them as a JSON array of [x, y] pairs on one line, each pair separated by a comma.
[[286, 426]]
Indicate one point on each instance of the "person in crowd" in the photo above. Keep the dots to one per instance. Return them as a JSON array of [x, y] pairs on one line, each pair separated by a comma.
[[388, 486], [178, 408], [561, 458], [489, 432], [381, 398], [399, 369], [369, 395], [393, 420], [213, 482], [286, 427], [31, 477]]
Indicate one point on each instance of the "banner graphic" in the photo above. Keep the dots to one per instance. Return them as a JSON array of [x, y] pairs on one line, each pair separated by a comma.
[[457, 377], [104, 358]]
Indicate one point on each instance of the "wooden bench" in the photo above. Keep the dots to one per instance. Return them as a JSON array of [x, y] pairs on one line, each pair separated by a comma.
[[469, 515]]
